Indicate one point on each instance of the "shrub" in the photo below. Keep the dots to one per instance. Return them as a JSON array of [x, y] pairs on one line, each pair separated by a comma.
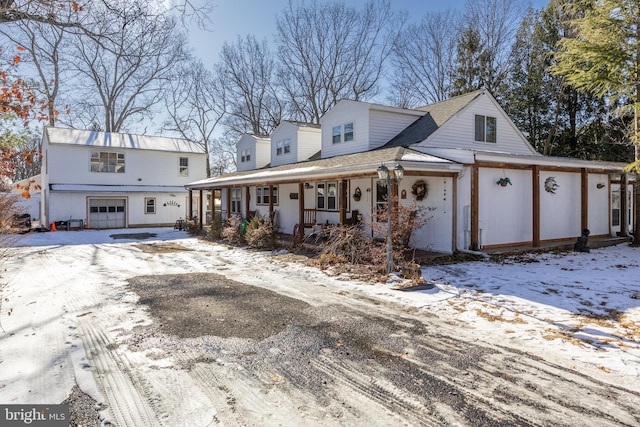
[[215, 229], [231, 232], [259, 232]]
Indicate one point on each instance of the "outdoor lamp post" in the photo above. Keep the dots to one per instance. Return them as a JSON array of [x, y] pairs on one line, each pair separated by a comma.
[[386, 175]]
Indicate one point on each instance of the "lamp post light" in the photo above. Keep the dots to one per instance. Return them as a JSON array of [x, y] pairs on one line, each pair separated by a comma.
[[386, 175]]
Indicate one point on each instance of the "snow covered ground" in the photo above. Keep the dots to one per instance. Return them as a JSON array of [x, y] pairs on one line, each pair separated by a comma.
[[580, 310]]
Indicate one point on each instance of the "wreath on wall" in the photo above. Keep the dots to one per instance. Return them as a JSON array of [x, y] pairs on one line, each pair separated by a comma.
[[419, 190]]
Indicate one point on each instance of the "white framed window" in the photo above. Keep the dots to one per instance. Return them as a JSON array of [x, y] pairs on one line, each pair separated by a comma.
[[283, 147], [348, 132], [336, 134], [149, 205], [245, 155], [327, 196], [107, 162], [184, 166], [236, 200], [262, 195], [485, 128], [342, 133]]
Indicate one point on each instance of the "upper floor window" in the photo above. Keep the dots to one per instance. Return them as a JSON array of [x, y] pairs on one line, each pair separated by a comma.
[[342, 133], [184, 166], [262, 195], [106, 161], [283, 147], [485, 128], [245, 156]]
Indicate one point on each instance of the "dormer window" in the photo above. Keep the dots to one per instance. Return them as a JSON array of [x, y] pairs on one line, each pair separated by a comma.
[[283, 147], [245, 156], [486, 128], [342, 133]]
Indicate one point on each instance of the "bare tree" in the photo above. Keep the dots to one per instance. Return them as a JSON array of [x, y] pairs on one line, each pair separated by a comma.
[[43, 42], [196, 104], [248, 68], [122, 75], [423, 60], [329, 51], [490, 27]]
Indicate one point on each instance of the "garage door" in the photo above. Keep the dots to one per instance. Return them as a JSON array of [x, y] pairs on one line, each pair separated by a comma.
[[107, 213]]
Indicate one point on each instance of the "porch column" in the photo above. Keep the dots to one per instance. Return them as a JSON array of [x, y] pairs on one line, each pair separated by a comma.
[[270, 201], [247, 195], [584, 210], [535, 180], [475, 236], [301, 209], [200, 210], [228, 202], [624, 229], [343, 202], [190, 202]]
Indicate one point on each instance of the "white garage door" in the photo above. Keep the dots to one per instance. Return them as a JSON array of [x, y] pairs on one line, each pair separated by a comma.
[[107, 213]]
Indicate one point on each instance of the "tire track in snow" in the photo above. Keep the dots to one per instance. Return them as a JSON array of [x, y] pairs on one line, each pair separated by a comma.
[[126, 395]]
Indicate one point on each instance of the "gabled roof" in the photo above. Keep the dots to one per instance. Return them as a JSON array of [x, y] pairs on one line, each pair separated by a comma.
[[437, 115], [120, 140], [349, 164]]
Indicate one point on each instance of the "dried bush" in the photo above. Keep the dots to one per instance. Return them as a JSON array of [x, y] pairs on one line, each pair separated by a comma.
[[350, 244], [215, 229], [405, 219], [232, 232], [260, 232]]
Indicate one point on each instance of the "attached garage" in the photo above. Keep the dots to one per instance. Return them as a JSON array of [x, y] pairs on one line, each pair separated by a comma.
[[108, 213]]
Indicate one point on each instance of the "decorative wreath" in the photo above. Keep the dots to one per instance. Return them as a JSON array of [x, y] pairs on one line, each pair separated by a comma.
[[419, 190]]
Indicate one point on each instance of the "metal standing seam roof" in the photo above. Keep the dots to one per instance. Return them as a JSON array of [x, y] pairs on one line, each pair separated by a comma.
[[120, 140]]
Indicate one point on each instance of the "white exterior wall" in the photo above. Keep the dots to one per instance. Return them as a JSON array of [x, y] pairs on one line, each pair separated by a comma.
[[305, 142], [373, 126], [69, 164], [463, 210], [505, 214], [560, 212], [346, 112], [286, 209], [67, 205], [437, 208], [598, 201], [309, 142], [284, 131], [459, 131], [260, 150], [385, 125]]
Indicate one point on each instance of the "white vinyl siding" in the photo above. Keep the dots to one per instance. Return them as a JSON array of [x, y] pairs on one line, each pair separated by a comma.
[[458, 132]]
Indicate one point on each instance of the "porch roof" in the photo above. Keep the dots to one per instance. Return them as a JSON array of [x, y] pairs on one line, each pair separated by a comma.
[[357, 164]]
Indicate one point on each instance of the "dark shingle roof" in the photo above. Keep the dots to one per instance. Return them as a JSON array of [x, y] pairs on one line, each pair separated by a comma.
[[437, 115]]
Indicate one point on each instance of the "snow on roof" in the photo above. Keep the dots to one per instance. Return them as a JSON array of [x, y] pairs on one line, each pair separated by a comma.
[[120, 140], [118, 188]]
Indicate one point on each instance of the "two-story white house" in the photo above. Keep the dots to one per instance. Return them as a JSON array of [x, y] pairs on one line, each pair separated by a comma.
[[116, 180], [464, 161]]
